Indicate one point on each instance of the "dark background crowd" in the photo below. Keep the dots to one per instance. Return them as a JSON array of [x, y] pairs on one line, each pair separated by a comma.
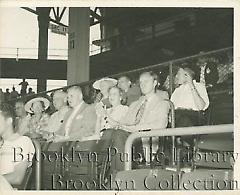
[[14, 94]]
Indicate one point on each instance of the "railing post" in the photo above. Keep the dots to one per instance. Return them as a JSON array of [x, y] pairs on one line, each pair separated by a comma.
[[170, 78], [173, 137], [172, 108], [17, 54], [38, 164]]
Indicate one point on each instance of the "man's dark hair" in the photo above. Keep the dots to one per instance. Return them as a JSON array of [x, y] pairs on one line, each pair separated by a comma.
[[153, 75], [190, 71], [126, 77], [7, 110], [188, 68]]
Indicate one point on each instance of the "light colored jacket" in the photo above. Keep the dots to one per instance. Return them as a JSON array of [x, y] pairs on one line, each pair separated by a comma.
[[155, 114], [82, 125]]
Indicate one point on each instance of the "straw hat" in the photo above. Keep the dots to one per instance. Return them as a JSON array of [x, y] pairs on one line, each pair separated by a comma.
[[111, 81], [29, 104]]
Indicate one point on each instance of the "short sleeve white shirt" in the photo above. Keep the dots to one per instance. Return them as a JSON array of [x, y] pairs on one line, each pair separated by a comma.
[[14, 152], [182, 96]]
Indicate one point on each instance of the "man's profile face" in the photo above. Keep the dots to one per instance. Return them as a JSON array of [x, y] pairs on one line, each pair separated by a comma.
[[124, 83], [19, 109], [58, 101], [180, 77], [74, 98], [147, 83]]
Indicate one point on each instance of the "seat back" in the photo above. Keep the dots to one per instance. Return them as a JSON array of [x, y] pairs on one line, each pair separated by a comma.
[[33, 170], [110, 147], [51, 163], [26, 180], [214, 151]]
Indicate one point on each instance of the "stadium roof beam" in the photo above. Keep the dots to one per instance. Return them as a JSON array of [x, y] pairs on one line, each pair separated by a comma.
[[58, 16], [56, 11], [36, 12]]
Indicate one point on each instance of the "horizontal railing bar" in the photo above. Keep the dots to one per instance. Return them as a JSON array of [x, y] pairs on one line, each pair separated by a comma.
[[197, 130], [135, 71]]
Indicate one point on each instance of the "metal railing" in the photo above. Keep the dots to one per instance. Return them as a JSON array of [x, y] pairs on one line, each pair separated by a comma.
[[32, 53], [172, 113], [173, 132], [38, 164], [169, 65]]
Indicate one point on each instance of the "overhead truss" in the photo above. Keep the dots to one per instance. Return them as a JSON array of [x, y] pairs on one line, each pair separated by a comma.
[[58, 13]]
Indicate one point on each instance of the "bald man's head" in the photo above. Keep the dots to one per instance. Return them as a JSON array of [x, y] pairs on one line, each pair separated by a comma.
[[59, 99], [74, 96]]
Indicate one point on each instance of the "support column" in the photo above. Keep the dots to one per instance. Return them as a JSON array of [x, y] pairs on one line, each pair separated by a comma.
[[78, 45], [43, 22]]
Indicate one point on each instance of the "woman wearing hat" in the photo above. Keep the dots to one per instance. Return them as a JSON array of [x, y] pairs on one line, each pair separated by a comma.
[[104, 85], [39, 119], [117, 111]]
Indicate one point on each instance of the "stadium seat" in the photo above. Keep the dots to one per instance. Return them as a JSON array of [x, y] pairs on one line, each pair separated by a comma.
[[26, 180], [214, 151]]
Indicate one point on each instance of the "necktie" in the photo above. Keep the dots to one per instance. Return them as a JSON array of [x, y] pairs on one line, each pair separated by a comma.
[[140, 112]]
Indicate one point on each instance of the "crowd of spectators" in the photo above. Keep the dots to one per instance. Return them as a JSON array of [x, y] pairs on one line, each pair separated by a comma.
[[13, 95], [120, 104]]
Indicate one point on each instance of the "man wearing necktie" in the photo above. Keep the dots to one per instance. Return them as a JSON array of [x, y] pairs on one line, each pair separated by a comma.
[[147, 113], [150, 111], [80, 121]]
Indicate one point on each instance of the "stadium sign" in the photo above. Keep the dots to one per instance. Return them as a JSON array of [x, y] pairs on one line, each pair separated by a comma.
[[58, 29]]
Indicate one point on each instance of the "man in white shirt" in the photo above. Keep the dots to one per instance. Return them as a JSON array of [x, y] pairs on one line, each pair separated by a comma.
[[189, 98]]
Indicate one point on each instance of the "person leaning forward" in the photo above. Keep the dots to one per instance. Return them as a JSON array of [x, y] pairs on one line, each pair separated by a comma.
[[80, 121]]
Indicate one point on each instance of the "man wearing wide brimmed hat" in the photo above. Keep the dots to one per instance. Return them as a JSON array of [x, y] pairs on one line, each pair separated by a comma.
[[104, 85]]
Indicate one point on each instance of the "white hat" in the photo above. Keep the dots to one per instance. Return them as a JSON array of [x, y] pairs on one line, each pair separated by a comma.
[[111, 81], [29, 104]]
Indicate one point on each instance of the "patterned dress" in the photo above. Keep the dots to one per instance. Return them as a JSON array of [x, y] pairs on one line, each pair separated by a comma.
[[38, 125]]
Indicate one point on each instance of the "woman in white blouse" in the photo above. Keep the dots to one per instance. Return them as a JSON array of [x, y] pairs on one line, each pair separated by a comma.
[[116, 112]]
